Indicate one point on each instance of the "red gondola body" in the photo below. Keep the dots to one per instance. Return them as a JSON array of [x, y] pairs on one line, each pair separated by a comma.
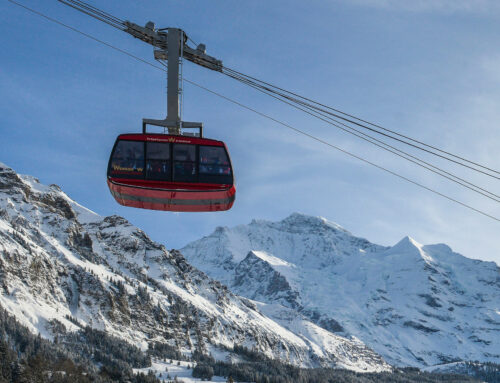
[[172, 173]]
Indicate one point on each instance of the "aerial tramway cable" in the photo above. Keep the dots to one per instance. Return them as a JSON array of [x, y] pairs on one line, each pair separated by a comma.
[[294, 97], [95, 13], [295, 100], [298, 99], [85, 34], [304, 101], [288, 125], [392, 149], [342, 150]]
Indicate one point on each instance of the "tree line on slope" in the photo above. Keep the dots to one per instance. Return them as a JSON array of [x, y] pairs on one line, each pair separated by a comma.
[[260, 369], [90, 355], [26, 358]]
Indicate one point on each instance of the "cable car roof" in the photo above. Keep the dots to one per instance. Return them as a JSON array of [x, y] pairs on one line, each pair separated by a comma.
[[153, 137]]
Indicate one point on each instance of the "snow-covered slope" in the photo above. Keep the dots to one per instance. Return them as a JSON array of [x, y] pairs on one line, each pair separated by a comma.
[[62, 262], [415, 305]]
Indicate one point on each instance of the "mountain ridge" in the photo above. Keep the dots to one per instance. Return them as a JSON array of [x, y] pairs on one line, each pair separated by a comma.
[[63, 265], [416, 305]]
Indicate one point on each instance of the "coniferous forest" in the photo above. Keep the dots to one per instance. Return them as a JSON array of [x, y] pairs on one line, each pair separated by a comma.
[[91, 355]]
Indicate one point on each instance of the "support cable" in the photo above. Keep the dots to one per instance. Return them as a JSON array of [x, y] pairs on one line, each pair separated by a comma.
[[383, 145], [294, 100], [84, 34], [361, 122], [294, 97], [95, 13], [342, 150], [298, 131]]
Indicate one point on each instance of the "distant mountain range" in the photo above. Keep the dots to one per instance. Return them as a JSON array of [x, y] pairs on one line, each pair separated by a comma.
[[63, 266], [415, 305], [303, 291]]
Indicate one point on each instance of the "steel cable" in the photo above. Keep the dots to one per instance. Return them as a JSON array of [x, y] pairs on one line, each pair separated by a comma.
[[271, 87], [383, 145], [265, 115]]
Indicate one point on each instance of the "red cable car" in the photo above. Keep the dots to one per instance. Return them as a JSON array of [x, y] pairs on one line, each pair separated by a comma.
[[171, 172], [174, 171]]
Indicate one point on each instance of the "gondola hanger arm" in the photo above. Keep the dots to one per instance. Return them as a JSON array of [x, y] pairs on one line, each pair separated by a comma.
[[159, 39], [171, 45], [150, 35]]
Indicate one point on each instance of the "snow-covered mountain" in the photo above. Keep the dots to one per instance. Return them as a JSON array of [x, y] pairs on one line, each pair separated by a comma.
[[60, 263], [415, 305]]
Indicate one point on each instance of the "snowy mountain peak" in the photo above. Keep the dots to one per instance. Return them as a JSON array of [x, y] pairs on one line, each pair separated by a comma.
[[298, 222], [51, 195], [308, 220], [5, 168], [415, 305], [408, 247], [63, 267], [408, 241], [8, 178]]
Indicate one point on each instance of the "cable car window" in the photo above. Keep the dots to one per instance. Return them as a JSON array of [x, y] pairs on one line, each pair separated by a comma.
[[214, 165], [128, 160], [158, 161], [213, 160], [184, 156]]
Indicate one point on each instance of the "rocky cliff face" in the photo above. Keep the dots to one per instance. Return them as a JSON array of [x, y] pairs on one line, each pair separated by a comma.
[[415, 305], [63, 266]]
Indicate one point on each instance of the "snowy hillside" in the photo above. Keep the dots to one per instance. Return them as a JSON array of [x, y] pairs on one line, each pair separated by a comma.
[[60, 262], [415, 305]]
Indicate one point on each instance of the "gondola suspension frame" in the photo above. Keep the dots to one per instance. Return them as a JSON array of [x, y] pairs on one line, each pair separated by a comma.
[[171, 195]]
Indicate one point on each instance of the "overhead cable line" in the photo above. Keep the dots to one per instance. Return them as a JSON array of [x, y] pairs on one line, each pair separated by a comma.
[[95, 13], [291, 96], [295, 100], [383, 145], [270, 117], [294, 97], [359, 122], [84, 34], [342, 150]]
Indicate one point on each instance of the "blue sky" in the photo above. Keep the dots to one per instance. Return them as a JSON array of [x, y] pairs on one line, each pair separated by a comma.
[[428, 69]]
